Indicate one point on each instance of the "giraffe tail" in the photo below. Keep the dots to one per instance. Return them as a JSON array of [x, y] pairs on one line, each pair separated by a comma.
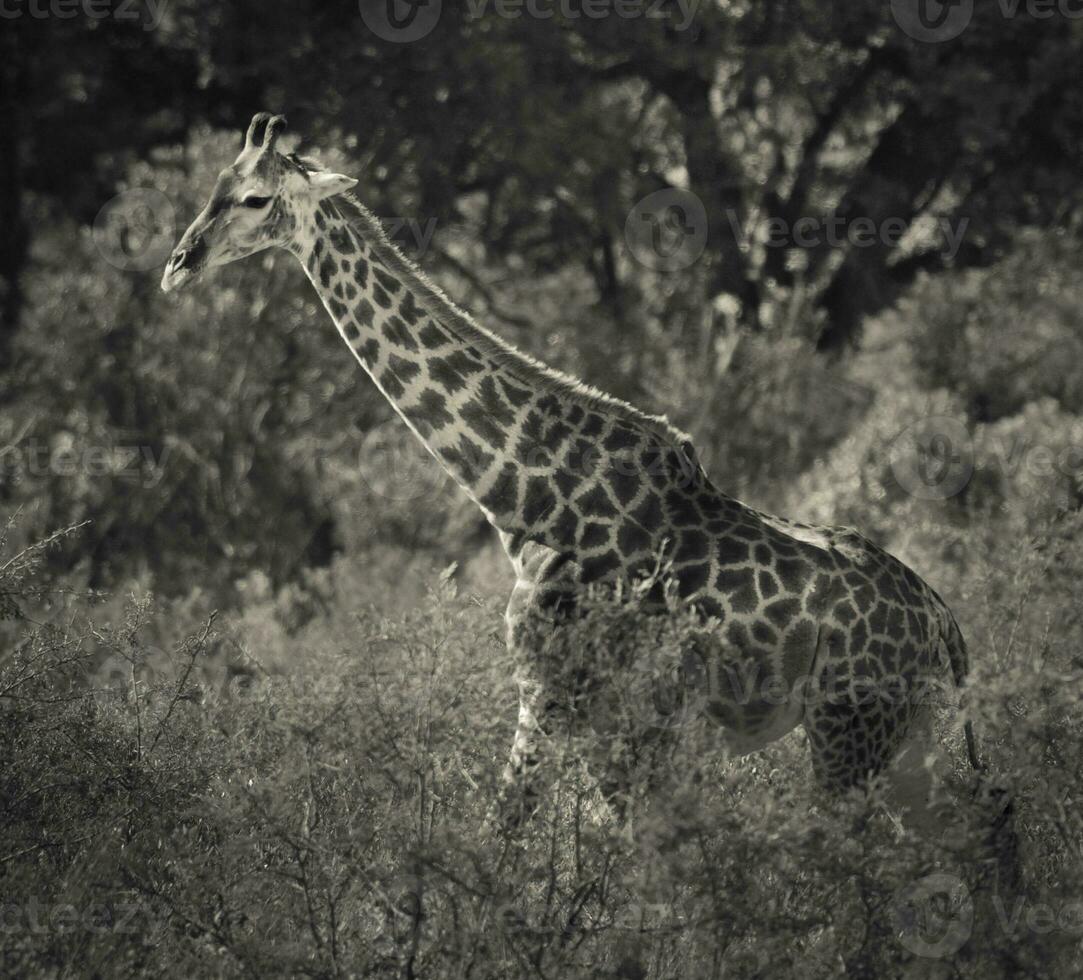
[[1002, 836], [955, 646]]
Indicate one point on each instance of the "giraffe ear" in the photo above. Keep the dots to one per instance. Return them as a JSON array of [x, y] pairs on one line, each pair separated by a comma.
[[325, 184]]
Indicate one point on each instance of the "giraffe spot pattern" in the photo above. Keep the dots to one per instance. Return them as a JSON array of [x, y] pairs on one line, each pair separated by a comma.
[[693, 578], [764, 634], [369, 352], [493, 404], [594, 535], [396, 331], [453, 370], [595, 502], [593, 426], [566, 482], [797, 650], [386, 281], [621, 437], [404, 370], [633, 537], [681, 510], [391, 384], [596, 569], [623, 481], [364, 313], [565, 526], [467, 459], [432, 337], [516, 395], [768, 583], [379, 294], [769, 587], [582, 458], [409, 310], [782, 611], [539, 502], [649, 512], [503, 496], [342, 239], [530, 454], [694, 546], [430, 414], [475, 415], [739, 587], [327, 269]]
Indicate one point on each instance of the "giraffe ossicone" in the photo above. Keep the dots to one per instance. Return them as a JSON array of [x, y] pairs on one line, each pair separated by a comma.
[[584, 489]]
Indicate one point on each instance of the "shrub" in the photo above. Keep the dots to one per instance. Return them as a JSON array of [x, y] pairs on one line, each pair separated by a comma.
[[326, 814], [1006, 335]]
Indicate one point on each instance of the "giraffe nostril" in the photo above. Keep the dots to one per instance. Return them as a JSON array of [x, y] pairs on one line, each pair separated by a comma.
[[189, 256]]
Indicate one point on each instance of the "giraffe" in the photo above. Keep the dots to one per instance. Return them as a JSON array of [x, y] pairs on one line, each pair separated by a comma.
[[586, 490]]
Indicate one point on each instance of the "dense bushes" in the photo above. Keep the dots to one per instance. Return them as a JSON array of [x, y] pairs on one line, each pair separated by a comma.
[[323, 811], [1004, 336]]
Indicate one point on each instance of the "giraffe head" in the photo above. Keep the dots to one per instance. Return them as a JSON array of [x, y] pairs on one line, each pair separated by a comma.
[[262, 199]]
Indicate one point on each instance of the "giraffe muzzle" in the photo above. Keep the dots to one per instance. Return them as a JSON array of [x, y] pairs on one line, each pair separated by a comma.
[[183, 265]]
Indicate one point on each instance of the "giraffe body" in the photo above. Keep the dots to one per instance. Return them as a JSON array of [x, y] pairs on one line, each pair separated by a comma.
[[586, 490]]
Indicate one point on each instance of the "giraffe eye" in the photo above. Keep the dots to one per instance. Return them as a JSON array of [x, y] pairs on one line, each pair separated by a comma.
[[252, 201]]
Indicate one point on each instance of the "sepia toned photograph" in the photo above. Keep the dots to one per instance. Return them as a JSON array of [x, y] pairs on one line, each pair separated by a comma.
[[553, 489]]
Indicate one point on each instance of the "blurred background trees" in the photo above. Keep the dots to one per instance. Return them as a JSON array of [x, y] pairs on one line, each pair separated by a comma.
[[250, 441]]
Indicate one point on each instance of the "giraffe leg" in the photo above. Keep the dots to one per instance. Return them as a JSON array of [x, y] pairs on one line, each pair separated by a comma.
[[526, 773], [913, 776], [853, 740], [616, 777]]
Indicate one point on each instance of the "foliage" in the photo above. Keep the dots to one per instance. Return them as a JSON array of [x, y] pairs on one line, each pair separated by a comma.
[[330, 816], [1004, 336]]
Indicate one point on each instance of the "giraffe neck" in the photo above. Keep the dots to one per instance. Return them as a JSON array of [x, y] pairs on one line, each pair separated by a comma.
[[547, 459]]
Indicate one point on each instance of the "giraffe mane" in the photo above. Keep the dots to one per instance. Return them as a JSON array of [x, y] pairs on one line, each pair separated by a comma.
[[505, 354]]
